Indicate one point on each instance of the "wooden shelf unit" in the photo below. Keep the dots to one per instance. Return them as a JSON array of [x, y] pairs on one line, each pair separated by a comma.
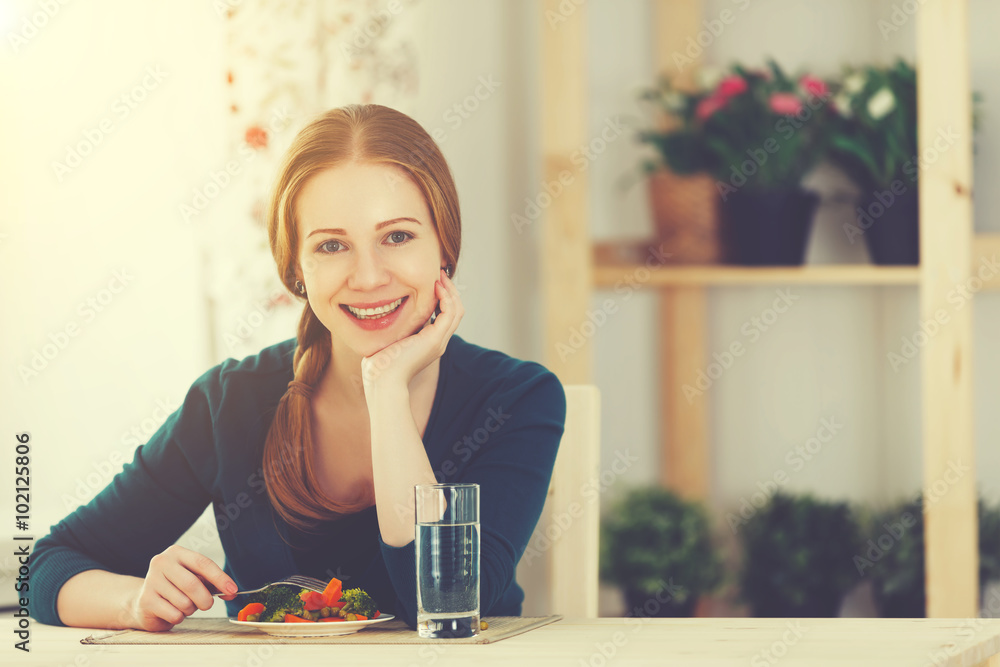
[[570, 273], [609, 275]]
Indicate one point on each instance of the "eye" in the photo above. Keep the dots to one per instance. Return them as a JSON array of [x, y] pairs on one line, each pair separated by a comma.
[[326, 247], [405, 236]]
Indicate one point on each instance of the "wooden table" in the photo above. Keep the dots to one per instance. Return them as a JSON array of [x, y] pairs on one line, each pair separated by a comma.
[[602, 642]]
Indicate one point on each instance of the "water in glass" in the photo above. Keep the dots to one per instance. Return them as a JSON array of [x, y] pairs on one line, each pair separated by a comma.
[[448, 579]]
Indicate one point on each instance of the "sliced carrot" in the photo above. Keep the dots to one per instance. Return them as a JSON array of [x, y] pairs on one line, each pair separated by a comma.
[[377, 614], [361, 617], [252, 608], [292, 618], [332, 591], [313, 601]]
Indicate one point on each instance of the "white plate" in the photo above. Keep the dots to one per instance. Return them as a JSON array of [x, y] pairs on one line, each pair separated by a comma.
[[317, 629]]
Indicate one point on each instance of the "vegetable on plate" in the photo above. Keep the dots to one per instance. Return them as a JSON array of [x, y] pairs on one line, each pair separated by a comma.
[[293, 604]]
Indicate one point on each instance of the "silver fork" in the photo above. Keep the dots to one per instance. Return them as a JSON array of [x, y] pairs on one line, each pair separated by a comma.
[[309, 583]]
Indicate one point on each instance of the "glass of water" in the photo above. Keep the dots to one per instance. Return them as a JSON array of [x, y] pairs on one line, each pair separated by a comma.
[[447, 547]]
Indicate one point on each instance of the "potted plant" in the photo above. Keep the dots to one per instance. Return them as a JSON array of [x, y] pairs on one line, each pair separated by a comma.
[[682, 197], [754, 133], [658, 546], [798, 557], [894, 556], [873, 139]]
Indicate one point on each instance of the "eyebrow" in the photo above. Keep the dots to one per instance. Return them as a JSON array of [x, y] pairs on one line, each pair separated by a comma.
[[379, 226]]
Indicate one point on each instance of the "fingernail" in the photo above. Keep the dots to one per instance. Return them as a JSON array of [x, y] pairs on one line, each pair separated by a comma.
[[231, 588]]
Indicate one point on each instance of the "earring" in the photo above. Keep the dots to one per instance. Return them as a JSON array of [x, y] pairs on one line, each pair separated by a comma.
[[300, 287], [447, 270]]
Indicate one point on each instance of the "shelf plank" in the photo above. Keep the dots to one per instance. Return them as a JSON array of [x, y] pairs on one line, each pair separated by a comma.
[[619, 261], [617, 274]]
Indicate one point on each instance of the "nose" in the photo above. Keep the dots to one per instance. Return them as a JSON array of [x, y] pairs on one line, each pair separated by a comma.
[[369, 271]]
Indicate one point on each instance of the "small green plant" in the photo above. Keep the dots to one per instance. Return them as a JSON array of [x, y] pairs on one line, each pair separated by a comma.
[[894, 556], [797, 556], [652, 539], [873, 132], [873, 136]]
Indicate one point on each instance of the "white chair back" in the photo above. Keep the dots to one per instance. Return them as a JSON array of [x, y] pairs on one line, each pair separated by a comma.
[[559, 568]]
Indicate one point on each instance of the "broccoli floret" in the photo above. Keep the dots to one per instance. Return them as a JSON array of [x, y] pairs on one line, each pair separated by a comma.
[[358, 602], [278, 601]]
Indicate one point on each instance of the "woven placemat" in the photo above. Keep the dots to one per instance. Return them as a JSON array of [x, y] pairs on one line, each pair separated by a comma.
[[221, 631]]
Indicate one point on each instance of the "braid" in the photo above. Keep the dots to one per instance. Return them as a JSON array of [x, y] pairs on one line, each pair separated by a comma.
[[289, 473]]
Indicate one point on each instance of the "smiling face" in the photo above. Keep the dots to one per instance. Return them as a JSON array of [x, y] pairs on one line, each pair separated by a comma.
[[367, 242]]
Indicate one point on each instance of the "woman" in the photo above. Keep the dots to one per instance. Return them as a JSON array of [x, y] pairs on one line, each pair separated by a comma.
[[309, 450]]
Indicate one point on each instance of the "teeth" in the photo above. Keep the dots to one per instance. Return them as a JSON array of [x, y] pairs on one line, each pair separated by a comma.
[[371, 313]]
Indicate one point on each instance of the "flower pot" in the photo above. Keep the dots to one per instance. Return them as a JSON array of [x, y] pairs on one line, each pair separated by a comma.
[[901, 604], [817, 606], [768, 228], [889, 221], [649, 606], [685, 213]]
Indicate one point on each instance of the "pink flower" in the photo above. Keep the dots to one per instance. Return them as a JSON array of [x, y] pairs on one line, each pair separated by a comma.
[[256, 136], [731, 86], [814, 86], [709, 106], [787, 104]]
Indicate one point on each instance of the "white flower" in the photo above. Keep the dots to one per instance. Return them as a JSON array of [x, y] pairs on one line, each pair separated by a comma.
[[855, 82], [672, 101], [881, 103], [843, 104], [709, 76]]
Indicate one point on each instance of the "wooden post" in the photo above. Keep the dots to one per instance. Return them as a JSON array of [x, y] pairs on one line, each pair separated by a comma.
[[566, 270], [685, 464], [685, 456], [943, 111]]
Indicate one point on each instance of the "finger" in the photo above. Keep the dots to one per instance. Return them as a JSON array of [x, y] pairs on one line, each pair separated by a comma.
[[452, 302], [208, 574], [448, 281], [189, 586], [165, 611], [451, 315], [214, 592], [444, 305], [453, 293], [178, 604]]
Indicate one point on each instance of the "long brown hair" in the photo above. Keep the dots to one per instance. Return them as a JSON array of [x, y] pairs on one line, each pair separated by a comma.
[[362, 133]]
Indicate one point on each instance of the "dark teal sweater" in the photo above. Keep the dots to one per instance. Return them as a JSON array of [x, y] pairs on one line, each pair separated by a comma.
[[496, 421]]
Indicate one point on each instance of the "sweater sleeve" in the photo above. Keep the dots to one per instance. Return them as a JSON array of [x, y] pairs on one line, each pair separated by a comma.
[[523, 423], [144, 509]]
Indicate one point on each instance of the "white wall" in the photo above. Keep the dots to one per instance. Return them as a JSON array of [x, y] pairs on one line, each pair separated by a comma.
[[63, 242]]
